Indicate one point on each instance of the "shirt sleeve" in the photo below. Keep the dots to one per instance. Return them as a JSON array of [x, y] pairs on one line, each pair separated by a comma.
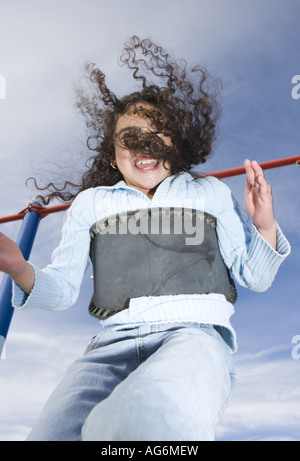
[[252, 261], [57, 286]]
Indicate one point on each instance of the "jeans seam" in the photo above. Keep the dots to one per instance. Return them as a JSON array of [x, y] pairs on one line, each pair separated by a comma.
[[141, 350], [137, 351], [220, 413]]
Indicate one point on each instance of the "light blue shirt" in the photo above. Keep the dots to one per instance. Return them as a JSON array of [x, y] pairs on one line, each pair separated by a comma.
[[252, 261]]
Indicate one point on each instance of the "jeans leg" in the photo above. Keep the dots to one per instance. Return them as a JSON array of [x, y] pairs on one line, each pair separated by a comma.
[[87, 381], [178, 393]]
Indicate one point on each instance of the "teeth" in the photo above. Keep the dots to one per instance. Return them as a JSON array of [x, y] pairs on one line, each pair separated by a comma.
[[144, 162]]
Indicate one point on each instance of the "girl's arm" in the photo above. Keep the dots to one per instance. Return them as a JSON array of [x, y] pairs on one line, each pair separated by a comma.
[[13, 263], [56, 287], [252, 244]]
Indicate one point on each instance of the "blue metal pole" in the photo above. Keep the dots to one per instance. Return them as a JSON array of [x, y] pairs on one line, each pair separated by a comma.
[[24, 241]]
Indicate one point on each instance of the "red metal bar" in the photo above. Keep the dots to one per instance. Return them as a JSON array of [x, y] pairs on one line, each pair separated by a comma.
[[41, 210], [265, 166], [218, 174], [13, 217], [54, 209]]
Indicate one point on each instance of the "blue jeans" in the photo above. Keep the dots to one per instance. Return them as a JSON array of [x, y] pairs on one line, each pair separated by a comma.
[[168, 382]]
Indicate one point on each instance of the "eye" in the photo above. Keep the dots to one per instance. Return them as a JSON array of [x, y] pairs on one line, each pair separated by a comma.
[[141, 138], [132, 133]]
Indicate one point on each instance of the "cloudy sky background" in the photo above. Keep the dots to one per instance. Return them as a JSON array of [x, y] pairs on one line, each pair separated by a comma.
[[254, 48]]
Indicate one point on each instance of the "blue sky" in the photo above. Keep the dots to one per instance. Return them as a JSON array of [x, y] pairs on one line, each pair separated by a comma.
[[253, 47]]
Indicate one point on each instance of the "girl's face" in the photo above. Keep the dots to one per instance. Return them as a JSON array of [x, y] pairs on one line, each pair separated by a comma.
[[143, 172]]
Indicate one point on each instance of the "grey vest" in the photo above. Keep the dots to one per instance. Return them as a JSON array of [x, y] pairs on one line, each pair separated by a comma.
[[155, 252]]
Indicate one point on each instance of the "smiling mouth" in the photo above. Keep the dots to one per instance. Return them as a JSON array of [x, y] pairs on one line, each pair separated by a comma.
[[146, 164]]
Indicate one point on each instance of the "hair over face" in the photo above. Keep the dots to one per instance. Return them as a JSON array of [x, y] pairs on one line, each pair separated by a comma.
[[182, 107]]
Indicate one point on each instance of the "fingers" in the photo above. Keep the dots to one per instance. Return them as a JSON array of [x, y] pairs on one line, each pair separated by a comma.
[[256, 181], [255, 175], [249, 175], [253, 169]]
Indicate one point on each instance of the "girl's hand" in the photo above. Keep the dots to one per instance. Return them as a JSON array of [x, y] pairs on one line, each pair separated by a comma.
[[259, 202], [13, 263]]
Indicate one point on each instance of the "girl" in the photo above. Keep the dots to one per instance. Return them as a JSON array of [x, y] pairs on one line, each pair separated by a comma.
[[161, 366]]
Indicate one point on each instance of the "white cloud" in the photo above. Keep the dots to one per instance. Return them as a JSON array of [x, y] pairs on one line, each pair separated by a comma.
[[34, 365], [266, 399]]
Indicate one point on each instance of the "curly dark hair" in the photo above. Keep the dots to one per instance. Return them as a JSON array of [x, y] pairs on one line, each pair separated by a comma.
[[185, 110]]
